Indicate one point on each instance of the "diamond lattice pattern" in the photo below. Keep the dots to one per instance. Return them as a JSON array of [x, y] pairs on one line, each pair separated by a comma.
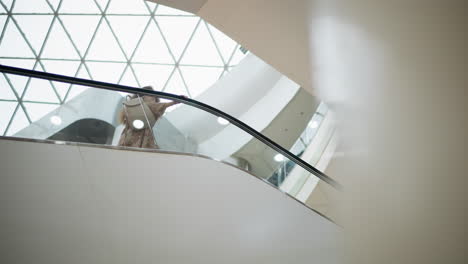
[[130, 42]]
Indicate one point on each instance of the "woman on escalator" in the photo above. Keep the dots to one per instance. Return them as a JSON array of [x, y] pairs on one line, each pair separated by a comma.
[[138, 115]]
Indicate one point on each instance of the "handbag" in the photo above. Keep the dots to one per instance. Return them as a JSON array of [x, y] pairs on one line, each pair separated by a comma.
[[138, 113]]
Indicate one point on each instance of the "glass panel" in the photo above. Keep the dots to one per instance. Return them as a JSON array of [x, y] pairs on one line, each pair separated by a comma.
[[110, 118], [14, 45], [310, 189], [200, 78], [82, 6], [40, 23], [237, 56], [68, 68], [129, 78], [81, 29], [165, 10], [225, 44], [176, 85], [202, 40], [7, 4], [90, 31], [152, 48], [74, 91], [18, 122], [105, 46], [55, 3], [6, 93], [123, 7], [38, 110], [106, 72], [59, 45], [42, 91], [7, 109], [154, 75], [128, 30], [102, 3], [177, 31], [25, 6], [18, 83]]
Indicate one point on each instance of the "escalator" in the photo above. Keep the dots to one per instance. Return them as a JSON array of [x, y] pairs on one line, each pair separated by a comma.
[[85, 184]]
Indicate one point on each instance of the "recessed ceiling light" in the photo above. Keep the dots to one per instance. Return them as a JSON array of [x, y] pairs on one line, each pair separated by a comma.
[[314, 124], [222, 121], [279, 157], [138, 124], [56, 120]]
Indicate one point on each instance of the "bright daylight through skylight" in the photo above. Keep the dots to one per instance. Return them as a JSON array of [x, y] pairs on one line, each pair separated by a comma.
[[130, 42]]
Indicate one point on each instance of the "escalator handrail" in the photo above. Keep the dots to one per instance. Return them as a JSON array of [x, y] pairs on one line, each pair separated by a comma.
[[177, 98]]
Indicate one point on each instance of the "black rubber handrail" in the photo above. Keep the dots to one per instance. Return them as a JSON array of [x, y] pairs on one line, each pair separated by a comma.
[[177, 98]]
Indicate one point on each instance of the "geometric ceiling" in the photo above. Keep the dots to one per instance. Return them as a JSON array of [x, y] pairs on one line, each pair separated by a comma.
[[130, 42]]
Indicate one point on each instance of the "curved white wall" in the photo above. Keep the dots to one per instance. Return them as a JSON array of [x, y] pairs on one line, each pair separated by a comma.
[[237, 92], [259, 116], [77, 204]]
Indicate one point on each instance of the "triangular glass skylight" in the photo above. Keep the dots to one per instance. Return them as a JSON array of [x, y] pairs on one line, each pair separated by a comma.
[[165, 10], [102, 3], [153, 48], [6, 93], [41, 91], [6, 4], [202, 40], [7, 109], [129, 78], [28, 6], [41, 25], [114, 41], [81, 29], [105, 46], [18, 122], [78, 7], [18, 82], [69, 68], [58, 45], [123, 7], [199, 79], [176, 85], [14, 45], [154, 75], [106, 71], [225, 44], [55, 3], [177, 31], [129, 30]]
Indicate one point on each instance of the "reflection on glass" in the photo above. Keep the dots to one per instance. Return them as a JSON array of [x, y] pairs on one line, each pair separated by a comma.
[[299, 147], [111, 118], [138, 116]]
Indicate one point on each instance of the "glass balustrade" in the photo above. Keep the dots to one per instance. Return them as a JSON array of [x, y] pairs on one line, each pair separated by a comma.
[[300, 146], [104, 115]]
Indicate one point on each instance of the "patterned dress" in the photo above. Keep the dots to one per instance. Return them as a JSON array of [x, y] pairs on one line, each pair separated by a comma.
[[143, 138]]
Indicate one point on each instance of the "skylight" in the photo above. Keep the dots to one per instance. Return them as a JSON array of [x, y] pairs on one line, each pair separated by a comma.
[[130, 42]]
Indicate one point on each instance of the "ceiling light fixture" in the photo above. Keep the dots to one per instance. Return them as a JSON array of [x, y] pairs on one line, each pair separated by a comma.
[[138, 124], [314, 124], [222, 121], [56, 120], [279, 157]]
